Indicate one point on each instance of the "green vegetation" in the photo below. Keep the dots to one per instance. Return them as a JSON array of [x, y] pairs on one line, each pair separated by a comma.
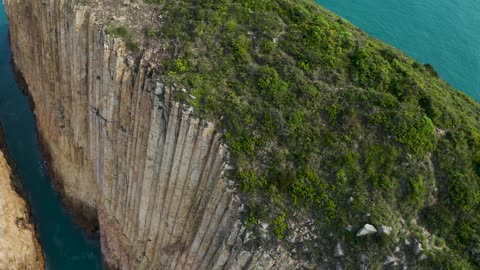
[[317, 112], [122, 32], [280, 226]]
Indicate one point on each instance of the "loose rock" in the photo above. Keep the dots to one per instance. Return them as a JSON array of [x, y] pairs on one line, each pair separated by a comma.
[[417, 248], [338, 250], [385, 230], [390, 260], [367, 230]]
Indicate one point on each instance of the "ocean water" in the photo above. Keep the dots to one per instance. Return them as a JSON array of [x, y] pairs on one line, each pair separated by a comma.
[[443, 33], [64, 244]]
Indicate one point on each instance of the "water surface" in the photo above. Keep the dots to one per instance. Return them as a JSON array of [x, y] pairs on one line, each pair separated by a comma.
[[64, 244], [443, 33]]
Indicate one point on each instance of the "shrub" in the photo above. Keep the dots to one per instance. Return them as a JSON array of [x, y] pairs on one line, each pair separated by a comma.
[[116, 31], [280, 225], [122, 32], [415, 131]]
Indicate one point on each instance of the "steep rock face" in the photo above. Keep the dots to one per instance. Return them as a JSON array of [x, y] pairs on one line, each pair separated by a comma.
[[19, 248], [123, 151]]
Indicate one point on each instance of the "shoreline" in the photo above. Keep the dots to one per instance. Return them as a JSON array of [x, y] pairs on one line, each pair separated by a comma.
[[17, 186]]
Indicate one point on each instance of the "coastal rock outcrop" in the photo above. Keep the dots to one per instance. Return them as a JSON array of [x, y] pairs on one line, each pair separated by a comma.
[[19, 247]]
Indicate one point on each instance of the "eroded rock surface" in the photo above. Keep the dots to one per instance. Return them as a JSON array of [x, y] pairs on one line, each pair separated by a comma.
[[19, 248]]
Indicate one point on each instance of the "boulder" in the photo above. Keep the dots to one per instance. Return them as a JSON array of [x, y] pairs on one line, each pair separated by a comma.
[[367, 230], [338, 250], [390, 260], [385, 230], [417, 248]]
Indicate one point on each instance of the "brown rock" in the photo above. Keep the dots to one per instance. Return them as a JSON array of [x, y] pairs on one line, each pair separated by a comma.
[[19, 248]]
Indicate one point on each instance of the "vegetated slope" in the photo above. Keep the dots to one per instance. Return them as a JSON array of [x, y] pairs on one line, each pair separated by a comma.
[[325, 123]]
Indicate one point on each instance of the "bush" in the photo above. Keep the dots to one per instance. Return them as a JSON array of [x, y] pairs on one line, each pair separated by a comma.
[[415, 131], [122, 32], [280, 226], [116, 31]]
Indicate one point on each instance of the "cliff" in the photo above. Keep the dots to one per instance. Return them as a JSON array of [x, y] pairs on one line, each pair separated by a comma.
[[248, 134], [123, 152], [19, 247]]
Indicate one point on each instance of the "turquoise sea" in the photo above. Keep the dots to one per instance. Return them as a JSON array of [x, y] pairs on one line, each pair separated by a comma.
[[443, 33]]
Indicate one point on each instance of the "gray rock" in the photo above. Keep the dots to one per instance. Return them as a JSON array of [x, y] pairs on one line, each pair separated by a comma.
[[385, 230], [264, 225], [390, 260], [338, 250], [367, 230], [292, 236], [248, 236], [417, 248], [119, 18]]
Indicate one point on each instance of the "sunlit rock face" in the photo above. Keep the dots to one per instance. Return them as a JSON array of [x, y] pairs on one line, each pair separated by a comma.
[[19, 248]]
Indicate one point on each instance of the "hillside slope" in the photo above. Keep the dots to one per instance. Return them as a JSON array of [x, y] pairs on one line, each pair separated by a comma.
[[318, 114]]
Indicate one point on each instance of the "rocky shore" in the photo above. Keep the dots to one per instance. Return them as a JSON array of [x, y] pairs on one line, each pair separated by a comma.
[[19, 247]]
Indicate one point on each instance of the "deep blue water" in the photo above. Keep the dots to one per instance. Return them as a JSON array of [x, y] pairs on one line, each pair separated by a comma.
[[65, 246], [443, 33]]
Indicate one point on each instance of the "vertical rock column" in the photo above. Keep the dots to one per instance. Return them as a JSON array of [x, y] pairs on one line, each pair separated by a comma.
[[50, 47]]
